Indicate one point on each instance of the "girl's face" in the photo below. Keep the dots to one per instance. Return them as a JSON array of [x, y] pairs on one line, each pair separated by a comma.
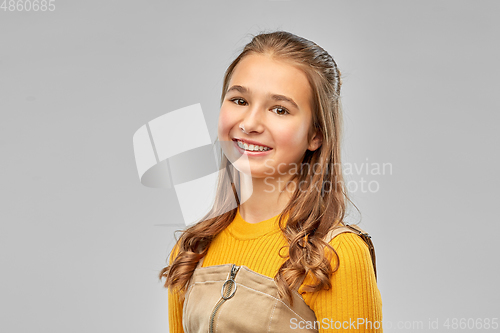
[[268, 103]]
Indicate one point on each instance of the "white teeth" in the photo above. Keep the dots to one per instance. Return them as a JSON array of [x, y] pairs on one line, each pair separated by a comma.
[[251, 147]]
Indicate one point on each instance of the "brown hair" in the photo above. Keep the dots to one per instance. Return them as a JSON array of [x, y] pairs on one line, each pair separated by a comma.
[[311, 213]]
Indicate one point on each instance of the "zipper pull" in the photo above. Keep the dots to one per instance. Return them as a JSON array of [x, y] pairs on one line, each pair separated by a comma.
[[227, 290], [234, 270]]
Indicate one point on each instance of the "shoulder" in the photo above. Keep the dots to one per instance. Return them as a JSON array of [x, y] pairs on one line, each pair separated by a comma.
[[348, 241], [353, 253], [354, 292]]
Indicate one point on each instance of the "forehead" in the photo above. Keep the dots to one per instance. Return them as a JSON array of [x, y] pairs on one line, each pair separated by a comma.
[[265, 75]]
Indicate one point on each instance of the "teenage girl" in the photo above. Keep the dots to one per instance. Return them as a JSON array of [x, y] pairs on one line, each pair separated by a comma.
[[269, 264]]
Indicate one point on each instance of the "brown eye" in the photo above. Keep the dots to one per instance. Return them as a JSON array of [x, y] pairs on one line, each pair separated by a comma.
[[281, 111], [237, 100]]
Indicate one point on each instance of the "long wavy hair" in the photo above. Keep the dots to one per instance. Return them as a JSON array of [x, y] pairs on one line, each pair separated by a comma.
[[312, 210]]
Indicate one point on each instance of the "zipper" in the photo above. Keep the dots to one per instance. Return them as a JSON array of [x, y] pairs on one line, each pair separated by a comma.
[[227, 292]]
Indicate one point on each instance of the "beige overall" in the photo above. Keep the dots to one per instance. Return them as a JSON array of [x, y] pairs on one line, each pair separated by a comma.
[[231, 298]]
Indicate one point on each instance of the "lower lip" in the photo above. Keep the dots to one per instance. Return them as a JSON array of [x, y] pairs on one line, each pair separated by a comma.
[[251, 153]]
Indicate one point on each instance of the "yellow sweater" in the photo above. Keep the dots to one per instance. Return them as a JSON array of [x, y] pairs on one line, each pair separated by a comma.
[[353, 304]]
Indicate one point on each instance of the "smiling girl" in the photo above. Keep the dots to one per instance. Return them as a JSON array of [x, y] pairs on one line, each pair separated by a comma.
[[283, 259]]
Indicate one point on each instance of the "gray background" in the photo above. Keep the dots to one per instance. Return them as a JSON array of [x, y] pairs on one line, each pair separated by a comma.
[[82, 241]]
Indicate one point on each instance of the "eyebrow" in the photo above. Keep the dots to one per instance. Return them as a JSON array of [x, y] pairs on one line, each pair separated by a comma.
[[276, 97]]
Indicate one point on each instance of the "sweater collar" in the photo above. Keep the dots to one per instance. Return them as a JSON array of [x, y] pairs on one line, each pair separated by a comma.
[[242, 229]]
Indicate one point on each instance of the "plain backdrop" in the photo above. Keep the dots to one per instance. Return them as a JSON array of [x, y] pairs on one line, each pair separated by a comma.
[[82, 241]]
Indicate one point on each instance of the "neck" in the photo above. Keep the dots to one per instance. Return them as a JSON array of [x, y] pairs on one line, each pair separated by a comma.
[[262, 197]]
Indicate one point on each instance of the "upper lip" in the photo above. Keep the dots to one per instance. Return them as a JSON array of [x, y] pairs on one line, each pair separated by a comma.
[[251, 142]]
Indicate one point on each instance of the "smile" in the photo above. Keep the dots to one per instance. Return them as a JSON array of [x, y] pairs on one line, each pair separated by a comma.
[[250, 147], [244, 148]]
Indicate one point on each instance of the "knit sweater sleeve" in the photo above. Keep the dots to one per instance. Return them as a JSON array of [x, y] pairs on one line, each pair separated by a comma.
[[174, 303], [354, 303]]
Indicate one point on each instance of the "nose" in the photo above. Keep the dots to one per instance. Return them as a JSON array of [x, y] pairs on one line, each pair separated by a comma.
[[252, 121]]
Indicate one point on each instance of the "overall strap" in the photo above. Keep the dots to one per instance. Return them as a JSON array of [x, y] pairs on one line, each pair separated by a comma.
[[355, 230]]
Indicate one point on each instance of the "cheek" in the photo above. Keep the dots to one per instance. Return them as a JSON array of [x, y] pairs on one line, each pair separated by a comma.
[[293, 136], [225, 123]]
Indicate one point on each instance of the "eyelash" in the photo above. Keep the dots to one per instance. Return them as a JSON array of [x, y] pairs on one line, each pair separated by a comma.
[[274, 107]]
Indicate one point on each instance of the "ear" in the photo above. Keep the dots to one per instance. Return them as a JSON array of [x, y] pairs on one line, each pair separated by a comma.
[[316, 141]]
